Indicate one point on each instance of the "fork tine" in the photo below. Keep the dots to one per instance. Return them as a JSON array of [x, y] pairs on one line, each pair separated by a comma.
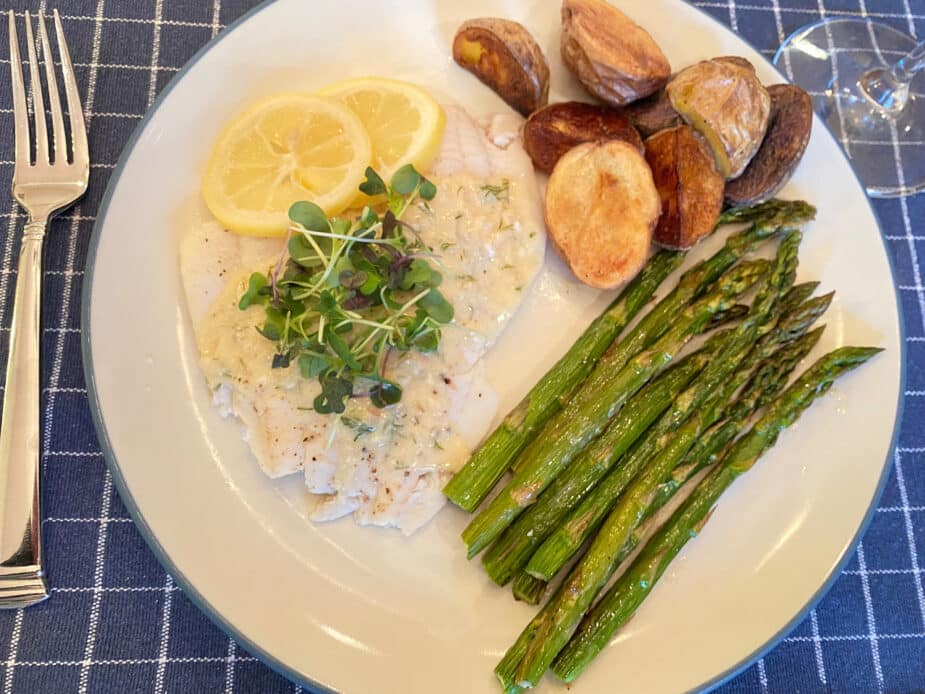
[[78, 129], [20, 113], [38, 100], [57, 116]]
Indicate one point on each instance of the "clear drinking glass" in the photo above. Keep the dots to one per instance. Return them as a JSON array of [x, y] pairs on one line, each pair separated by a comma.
[[868, 84]]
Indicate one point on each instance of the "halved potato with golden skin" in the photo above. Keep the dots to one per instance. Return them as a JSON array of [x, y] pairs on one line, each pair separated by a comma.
[[506, 57], [601, 207], [727, 104], [690, 187], [552, 131], [613, 57]]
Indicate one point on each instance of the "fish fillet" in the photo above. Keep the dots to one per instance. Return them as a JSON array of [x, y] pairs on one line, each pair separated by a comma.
[[386, 467]]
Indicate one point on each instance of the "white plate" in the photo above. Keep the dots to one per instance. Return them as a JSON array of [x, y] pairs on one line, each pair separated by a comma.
[[364, 610]]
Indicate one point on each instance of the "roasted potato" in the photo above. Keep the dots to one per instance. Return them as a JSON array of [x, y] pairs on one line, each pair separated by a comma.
[[552, 131], [652, 114], [690, 187], [601, 207], [728, 105], [788, 134], [613, 57], [504, 56]]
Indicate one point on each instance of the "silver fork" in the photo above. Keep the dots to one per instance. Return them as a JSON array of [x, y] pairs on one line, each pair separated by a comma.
[[43, 187]]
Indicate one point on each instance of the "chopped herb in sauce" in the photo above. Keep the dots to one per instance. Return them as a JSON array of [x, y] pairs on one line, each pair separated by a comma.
[[359, 427], [501, 192]]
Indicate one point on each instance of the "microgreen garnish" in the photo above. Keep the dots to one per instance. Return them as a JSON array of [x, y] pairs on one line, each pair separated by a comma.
[[345, 294]]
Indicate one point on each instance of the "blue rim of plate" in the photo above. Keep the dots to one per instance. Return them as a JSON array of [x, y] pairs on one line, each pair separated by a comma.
[[214, 615]]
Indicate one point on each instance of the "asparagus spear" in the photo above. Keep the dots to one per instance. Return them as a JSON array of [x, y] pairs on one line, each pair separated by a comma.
[[734, 215], [469, 487], [582, 420], [766, 383], [592, 572], [513, 548], [562, 543], [622, 600], [733, 314], [528, 589], [506, 670], [563, 613], [768, 380]]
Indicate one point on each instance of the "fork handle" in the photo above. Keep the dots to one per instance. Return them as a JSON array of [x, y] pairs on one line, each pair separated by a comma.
[[22, 580]]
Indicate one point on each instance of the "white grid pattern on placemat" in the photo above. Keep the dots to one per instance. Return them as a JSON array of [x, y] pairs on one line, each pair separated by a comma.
[[186, 653]]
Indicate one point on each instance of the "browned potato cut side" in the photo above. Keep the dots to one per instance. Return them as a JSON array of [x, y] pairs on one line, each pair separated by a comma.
[[652, 114], [728, 105], [791, 124], [613, 57], [690, 187], [661, 155], [552, 131], [601, 207], [506, 57]]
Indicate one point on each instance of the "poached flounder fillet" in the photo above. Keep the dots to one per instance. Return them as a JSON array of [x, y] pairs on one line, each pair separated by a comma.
[[385, 466]]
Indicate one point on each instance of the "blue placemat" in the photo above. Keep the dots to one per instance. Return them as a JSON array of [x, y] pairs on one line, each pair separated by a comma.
[[117, 623]]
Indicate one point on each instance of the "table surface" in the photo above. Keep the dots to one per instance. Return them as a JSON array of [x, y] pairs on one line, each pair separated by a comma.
[[116, 622]]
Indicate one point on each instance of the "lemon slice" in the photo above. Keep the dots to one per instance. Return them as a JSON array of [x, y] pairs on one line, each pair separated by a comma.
[[287, 148], [404, 122]]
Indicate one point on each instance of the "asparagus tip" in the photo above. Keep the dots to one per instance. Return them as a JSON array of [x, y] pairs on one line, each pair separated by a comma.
[[813, 335], [858, 355], [872, 351], [825, 300]]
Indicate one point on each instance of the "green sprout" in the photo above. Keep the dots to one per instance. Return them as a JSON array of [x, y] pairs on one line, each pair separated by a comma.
[[345, 294]]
